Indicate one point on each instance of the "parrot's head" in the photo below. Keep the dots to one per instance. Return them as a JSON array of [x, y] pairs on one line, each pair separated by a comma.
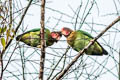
[[66, 31], [56, 35]]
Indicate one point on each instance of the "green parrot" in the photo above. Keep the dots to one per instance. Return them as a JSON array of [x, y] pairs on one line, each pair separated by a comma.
[[79, 39], [32, 37]]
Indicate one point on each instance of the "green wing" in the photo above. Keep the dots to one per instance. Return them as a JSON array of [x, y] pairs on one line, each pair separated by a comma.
[[38, 29], [85, 33], [33, 30], [32, 37], [82, 39]]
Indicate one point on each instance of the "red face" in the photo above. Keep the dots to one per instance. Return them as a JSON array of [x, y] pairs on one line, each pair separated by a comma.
[[56, 35], [65, 31]]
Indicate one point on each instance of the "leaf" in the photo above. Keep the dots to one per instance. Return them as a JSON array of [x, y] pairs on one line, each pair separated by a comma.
[[8, 32], [3, 42], [13, 31], [8, 35], [5, 28], [0, 30], [1, 17]]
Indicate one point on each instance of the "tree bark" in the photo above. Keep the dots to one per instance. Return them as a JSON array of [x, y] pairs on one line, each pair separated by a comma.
[[42, 57]]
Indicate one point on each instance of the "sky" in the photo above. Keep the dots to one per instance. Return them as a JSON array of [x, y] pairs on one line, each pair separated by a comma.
[[63, 13]]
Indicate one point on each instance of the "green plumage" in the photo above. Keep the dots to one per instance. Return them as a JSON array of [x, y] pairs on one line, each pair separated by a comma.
[[79, 39], [32, 38]]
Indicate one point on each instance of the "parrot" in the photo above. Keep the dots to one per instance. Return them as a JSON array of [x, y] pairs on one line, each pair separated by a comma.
[[79, 39], [32, 37]]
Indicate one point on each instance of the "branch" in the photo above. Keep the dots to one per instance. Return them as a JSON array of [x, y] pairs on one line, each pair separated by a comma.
[[119, 63], [83, 50], [3, 51], [57, 65], [10, 4], [42, 57]]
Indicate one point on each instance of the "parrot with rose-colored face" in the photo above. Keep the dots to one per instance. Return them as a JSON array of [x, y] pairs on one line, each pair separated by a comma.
[[79, 39], [32, 37]]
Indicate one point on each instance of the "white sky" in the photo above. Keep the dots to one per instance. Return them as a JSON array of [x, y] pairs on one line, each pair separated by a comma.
[[32, 20]]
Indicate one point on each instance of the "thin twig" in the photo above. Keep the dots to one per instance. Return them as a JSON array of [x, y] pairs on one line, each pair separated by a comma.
[[84, 18], [79, 8], [42, 57], [119, 64], [3, 51], [10, 4], [10, 58], [23, 66], [57, 65], [83, 50]]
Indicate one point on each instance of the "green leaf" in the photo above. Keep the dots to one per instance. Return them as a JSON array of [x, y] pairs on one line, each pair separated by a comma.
[[1, 17], [3, 42], [8, 35], [5, 28], [0, 30]]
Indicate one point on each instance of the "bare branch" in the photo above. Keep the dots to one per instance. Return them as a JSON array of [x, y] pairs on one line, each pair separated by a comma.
[[57, 65], [83, 50], [10, 3], [3, 51], [42, 57], [119, 63]]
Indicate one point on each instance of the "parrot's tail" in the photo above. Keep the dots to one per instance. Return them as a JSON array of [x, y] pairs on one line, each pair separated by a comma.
[[105, 52]]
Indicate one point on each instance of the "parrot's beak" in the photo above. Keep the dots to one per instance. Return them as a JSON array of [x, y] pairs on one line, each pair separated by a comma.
[[60, 35], [58, 38], [62, 32]]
